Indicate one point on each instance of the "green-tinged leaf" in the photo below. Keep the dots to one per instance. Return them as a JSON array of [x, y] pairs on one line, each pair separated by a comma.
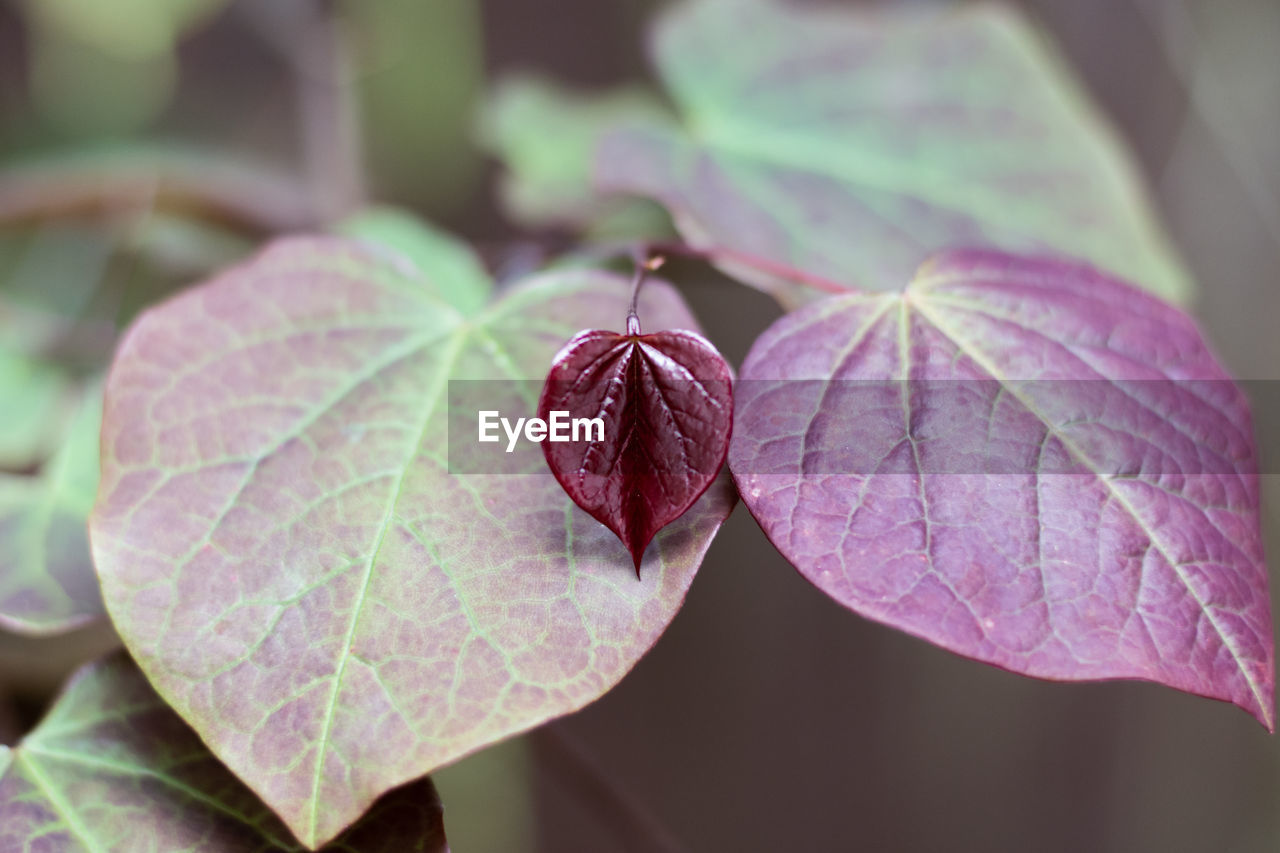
[[47, 279], [33, 405], [50, 270], [284, 550], [185, 247], [130, 29], [47, 584], [451, 268], [112, 768], [848, 145], [545, 136]]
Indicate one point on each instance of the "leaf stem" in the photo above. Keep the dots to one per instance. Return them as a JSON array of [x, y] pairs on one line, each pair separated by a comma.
[[644, 264]]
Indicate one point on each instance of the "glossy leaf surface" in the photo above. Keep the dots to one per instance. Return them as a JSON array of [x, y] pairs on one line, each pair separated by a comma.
[[47, 582], [285, 553], [665, 401], [849, 145], [1119, 536], [112, 768]]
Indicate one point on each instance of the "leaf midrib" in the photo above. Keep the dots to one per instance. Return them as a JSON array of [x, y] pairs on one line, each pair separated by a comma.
[[433, 397], [128, 769], [70, 818]]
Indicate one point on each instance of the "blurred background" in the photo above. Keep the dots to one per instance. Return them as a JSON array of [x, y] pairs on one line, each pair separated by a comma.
[[146, 142]]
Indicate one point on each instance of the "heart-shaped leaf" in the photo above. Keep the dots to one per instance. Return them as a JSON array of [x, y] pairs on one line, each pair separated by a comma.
[[47, 583], [664, 406], [1022, 461], [850, 144], [113, 768], [284, 551]]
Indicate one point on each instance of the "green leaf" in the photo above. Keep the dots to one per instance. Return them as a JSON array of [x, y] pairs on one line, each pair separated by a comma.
[[33, 400], [47, 583], [113, 768], [849, 145], [452, 269], [545, 135], [130, 29], [285, 552]]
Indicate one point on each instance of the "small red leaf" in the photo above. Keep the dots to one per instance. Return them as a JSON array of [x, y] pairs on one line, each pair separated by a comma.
[[666, 403]]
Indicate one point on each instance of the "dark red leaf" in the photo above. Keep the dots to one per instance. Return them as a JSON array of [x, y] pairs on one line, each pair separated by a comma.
[[667, 406]]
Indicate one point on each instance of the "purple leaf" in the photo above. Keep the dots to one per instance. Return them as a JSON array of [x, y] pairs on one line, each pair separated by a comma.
[[664, 402], [1120, 537], [113, 768], [850, 144], [286, 554]]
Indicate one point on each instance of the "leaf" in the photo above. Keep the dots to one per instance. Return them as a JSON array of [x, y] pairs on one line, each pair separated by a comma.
[[47, 584], [47, 277], [134, 29], [665, 405], [436, 257], [849, 145], [544, 135], [112, 768], [1118, 535], [33, 396], [286, 555]]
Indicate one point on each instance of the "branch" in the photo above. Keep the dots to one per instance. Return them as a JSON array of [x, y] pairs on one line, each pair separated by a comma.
[[310, 37], [243, 198]]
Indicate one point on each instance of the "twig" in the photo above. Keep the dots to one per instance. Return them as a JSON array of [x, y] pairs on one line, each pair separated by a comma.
[[311, 38], [330, 123]]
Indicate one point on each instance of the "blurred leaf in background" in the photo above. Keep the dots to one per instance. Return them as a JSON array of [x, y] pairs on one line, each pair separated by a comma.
[[105, 69], [545, 135], [34, 397], [419, 70], [47, 584]]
